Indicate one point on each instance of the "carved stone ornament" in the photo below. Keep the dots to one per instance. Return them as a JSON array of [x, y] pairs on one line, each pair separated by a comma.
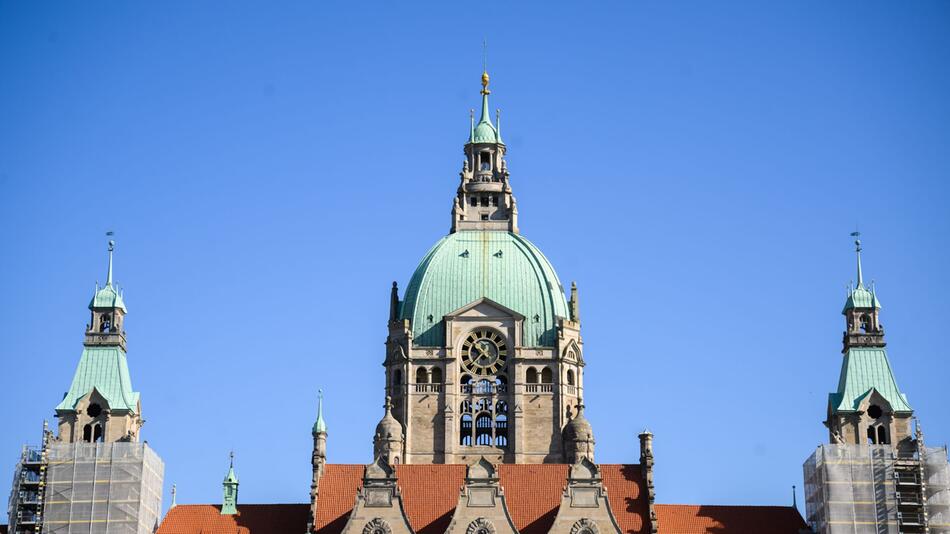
[[583, 526], [377, 525], [480, 526]]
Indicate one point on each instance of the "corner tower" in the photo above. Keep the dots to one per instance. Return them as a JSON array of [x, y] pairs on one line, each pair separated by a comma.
[[100, 405], [867, 407], [484, 354]]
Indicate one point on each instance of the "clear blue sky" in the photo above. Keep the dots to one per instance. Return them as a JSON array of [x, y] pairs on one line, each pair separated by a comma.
[[270, 168]]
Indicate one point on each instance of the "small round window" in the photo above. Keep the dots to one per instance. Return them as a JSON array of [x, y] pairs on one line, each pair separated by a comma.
[[94, 410], [875, 411]]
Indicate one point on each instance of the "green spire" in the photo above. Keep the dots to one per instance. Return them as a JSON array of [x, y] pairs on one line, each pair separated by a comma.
[[857, 251], [859, 296], [108, 296], [484, 131], [229, 506], [320, 425]]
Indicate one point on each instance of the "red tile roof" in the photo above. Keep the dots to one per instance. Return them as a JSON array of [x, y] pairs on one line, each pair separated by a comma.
[[703, 519], [532, 492], [250, 519], [430, 493]]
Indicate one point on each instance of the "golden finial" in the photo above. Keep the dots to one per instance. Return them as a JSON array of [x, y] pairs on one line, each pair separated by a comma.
[[485, 90]]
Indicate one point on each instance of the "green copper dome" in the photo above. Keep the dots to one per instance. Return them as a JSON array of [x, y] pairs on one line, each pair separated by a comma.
[[107, 297], [501, 266], [485, 132]]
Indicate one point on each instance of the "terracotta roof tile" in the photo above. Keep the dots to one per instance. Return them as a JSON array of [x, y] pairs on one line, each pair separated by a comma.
[[429, 495], [338, 487], [627, 496], [250, 519], [703, 519], [533, 493]]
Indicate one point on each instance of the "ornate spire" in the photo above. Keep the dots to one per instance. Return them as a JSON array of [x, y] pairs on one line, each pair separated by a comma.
[[174, 496], [857, 247], [111, 249], [320, 425], [229, 504]]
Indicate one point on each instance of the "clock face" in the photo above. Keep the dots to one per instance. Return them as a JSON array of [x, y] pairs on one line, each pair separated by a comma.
[[484, 352]]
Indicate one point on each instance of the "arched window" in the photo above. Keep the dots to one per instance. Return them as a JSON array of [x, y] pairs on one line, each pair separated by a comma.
[[865, 323], [466, 379], [397, 378], [436, 375], [882, 435], [531, 375], [872, 436], [483, 386], [87, 433], [422, 376], [483, 426], [546, 376], [570, 377], [466, 406], [106, 323], [97, 436], [501, 407], [465, 430], [501, 430]]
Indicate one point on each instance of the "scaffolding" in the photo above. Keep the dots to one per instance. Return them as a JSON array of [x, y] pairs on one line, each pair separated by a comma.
[[25, 507], [98, 488], [874, 489]]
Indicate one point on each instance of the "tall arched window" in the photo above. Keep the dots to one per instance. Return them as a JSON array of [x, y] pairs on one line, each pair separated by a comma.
[[865, 323], [570, 377], [483, 426], [531, 375], [422, 376], [501, 383], [501, 430], [106, 323], [87, 433], [97, 436], [872, 436], [882, 435], [465, 430], [546, 376], [436, 375]]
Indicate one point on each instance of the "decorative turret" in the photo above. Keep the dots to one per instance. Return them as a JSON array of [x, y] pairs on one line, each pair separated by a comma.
[[230, 484], [388, 440], [862, 311], [484, 200], [108, 311]]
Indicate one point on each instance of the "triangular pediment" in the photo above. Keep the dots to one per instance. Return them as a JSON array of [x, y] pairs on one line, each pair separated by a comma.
[[484, 308]]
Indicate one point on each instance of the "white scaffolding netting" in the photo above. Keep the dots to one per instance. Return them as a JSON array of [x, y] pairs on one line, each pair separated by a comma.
[[870, 489], [937, 489], [94, 488]]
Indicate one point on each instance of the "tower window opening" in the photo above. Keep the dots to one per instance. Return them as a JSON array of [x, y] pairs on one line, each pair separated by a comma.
[[483, 430], [473, 201], [501, 431], [494, 200], [422, 376], [484, 201], [531, 375], [865, 324], [87, 433], [875, 411], [872, 436], [882, 435], [465, 431], [94, 410], [97, 436], [546, 376], [436, 375], [106, 324], [484, 159], [484, 216], [570, 377]]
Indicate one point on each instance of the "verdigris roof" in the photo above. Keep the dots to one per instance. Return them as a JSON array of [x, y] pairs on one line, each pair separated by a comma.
[[472, 264], [106, 370], [107, 297], [860, 297], [865, 369]]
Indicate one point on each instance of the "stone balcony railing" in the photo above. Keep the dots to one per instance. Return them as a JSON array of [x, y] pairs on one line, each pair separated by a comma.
[[428, 388]]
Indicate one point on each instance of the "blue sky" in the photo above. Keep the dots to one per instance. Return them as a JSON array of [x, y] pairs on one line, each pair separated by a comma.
[[270, 168]]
